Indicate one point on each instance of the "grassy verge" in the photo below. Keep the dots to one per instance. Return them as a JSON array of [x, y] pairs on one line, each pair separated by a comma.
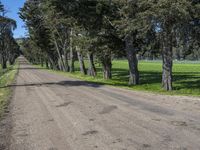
[[186, 76], [7, 76]]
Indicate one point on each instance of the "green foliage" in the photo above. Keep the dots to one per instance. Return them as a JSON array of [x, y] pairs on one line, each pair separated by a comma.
[[9, 49], [108, 29]]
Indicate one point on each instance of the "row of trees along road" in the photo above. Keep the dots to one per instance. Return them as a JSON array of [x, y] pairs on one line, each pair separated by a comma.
[[60, 30], [9, 49]]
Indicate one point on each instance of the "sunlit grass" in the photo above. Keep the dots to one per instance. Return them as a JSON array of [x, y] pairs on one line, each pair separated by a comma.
[[7, 76], [186, 77]]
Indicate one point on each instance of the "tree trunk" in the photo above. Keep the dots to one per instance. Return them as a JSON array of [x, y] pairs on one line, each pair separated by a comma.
[[81, 62], [52, 64], [132, 61], [4, 62], [60, 60], [167, 62], [66, 61], [71, 52], [107, 68], [60, 65], [47, 64], [42, 62], [71, 60], [11, 60], [91, 69]]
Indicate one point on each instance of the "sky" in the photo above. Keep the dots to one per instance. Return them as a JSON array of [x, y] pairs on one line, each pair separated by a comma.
[[12, 7]]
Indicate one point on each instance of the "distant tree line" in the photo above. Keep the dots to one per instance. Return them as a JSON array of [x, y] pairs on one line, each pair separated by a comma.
[[62, 30], [9, 49]]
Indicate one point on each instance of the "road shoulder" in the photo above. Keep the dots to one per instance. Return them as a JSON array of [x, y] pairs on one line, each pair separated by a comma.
[[5, 116]]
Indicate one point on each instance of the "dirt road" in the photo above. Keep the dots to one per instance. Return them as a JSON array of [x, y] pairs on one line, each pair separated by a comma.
[[52, 112]]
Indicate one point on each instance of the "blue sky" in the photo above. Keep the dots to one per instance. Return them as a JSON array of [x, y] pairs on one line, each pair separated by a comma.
[[12, 6]]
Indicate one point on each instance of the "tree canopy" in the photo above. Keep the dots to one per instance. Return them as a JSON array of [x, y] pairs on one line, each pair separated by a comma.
[[62, 31], [9, 49]]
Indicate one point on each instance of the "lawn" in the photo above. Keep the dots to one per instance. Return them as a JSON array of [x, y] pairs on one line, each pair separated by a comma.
[[186, 77], [6, 77]]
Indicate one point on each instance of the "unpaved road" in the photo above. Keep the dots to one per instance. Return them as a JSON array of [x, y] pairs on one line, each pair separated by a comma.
[[52, 112]]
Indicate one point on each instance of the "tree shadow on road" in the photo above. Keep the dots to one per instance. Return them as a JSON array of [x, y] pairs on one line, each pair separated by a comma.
[[61, 83], [30, 68]]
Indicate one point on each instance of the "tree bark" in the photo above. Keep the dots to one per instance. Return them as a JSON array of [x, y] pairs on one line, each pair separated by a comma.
[[47, 64], [81, 62], [52, 64], [11, 60], [167, 55], [42, 62], [107, 68], [132, 60], [60, 60], [71, 52], [3, 62], [66, 61], [91, 70], [60, 66]]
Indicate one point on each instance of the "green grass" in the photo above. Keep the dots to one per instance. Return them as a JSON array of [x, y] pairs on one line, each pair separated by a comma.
[[186, 77], [7, 76]]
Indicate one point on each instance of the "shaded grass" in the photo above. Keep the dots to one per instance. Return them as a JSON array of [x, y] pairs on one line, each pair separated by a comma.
[[7, 76], [186, 77]]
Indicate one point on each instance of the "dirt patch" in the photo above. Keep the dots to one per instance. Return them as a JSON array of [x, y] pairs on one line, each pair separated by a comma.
[[156, 119], [50, 120], [52, 148], [5, 131], [90, 132], [91, 119], [108, 109], [146, 145], [167, 139], [64, 104], [179, 123], [117, 141]]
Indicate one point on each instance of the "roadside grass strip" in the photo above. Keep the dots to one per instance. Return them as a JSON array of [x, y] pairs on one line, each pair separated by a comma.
[[186, 77], [7, 77]]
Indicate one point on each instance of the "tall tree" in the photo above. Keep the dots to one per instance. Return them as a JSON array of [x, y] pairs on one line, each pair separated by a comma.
[[127, 28], [39, 34], [166, 17], [7, 26]]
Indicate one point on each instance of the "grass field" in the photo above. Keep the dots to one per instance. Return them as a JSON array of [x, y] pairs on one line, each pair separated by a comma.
[[6, 77], [186, 77]]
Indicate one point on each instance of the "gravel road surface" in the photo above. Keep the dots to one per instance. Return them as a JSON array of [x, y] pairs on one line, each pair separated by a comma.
[[53, 112]]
